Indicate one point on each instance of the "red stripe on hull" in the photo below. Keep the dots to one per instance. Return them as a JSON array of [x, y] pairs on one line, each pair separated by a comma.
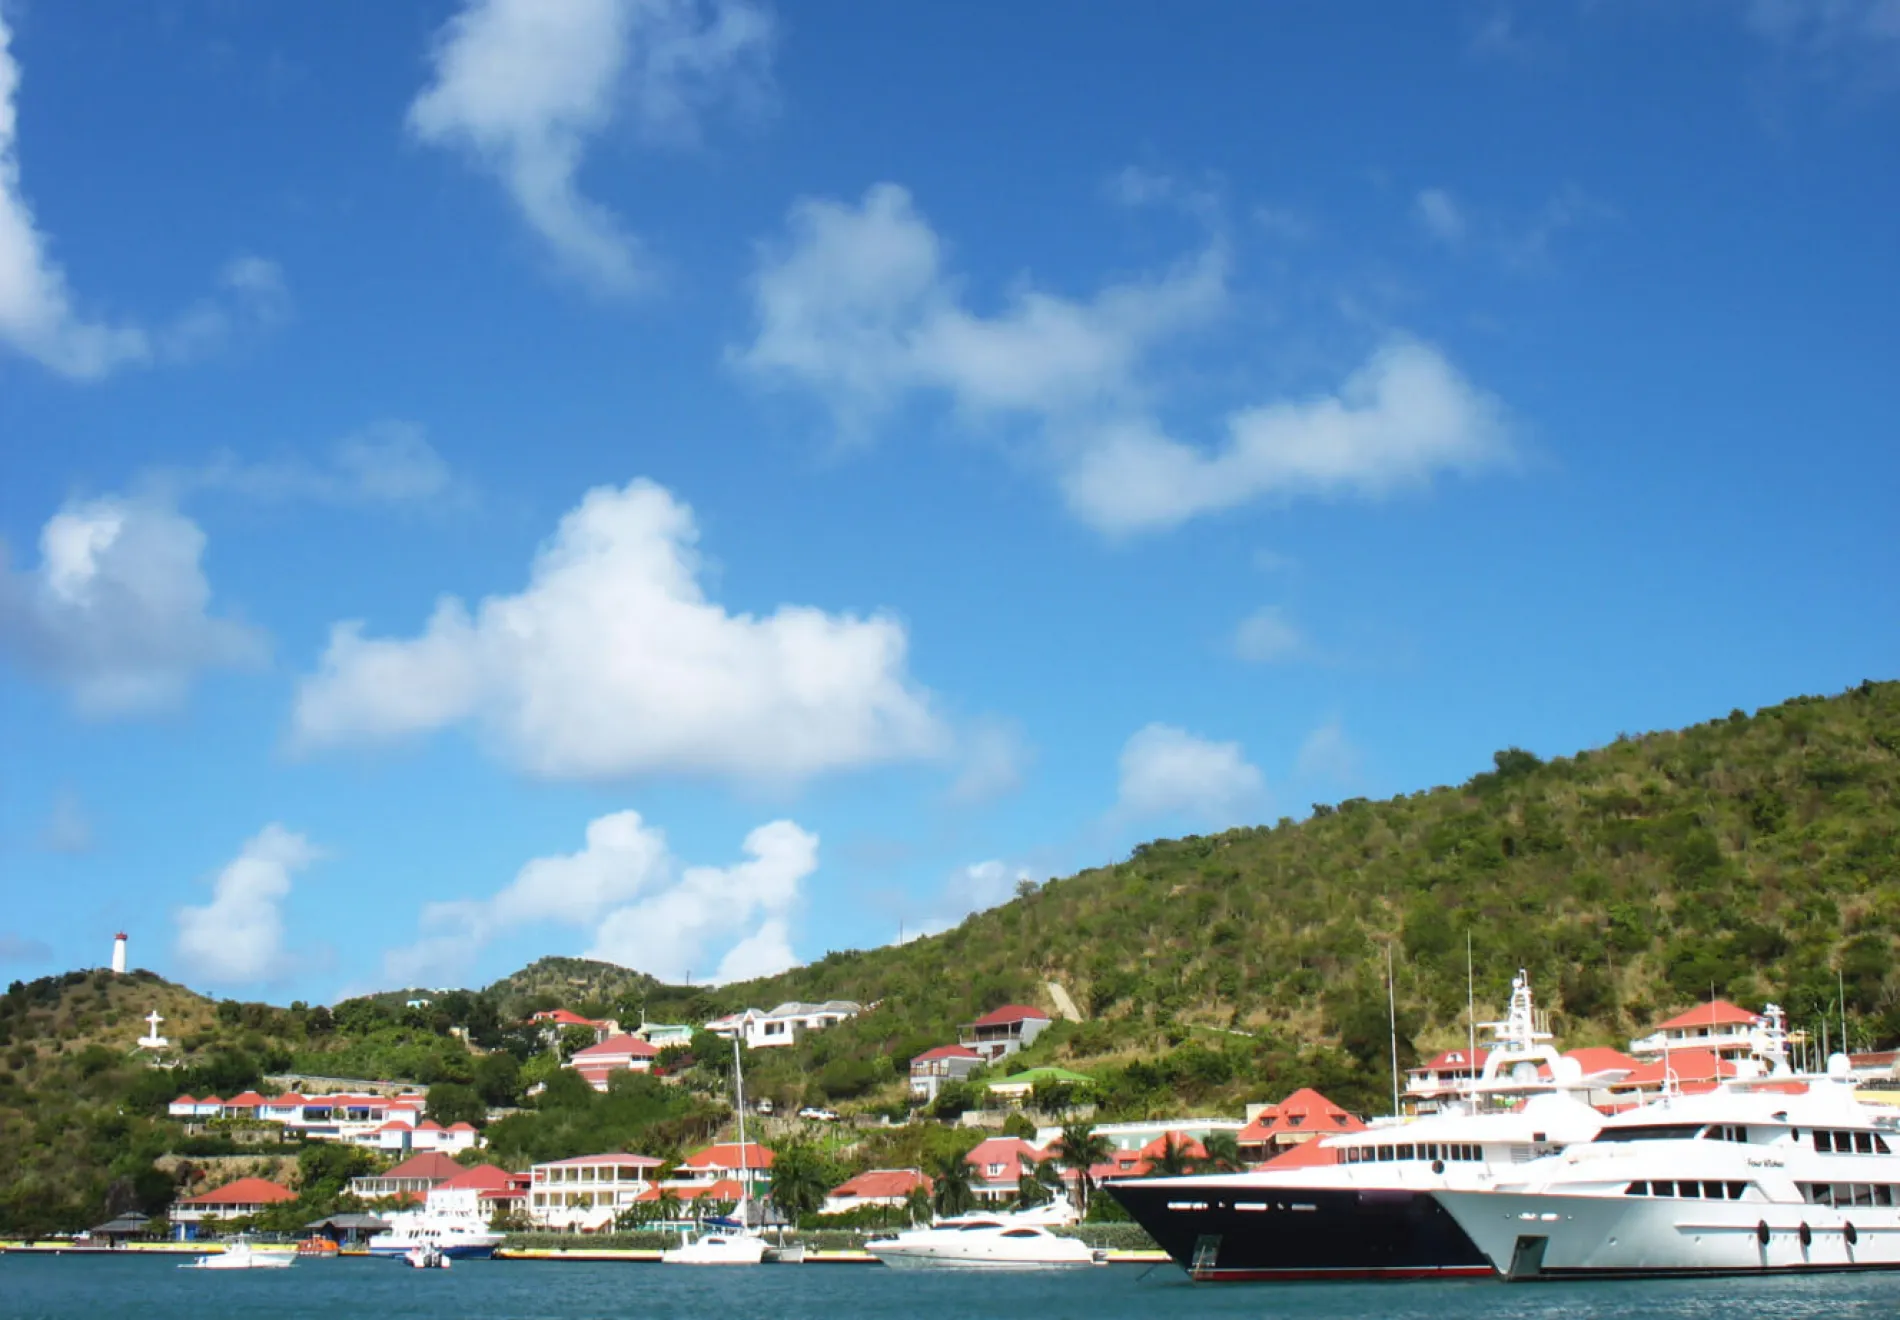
[[1396, 1273]]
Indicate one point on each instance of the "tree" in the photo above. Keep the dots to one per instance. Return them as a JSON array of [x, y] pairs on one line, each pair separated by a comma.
[[802, 1176], [451, 1102], [952, 1194], [1080, 1149], [1223, 1152], [1029, 1189], [917, 1205], [498, 1078], [1174, 1161]]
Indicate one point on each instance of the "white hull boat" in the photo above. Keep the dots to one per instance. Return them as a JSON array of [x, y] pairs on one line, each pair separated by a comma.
[[448, 1237], [240, 1256], [984, 1242], [723, 1241]]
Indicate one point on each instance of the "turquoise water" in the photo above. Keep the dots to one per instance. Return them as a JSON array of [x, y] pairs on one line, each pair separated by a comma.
[[90, 1288]]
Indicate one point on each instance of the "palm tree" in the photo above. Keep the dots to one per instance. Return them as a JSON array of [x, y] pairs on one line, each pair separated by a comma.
[[917, 1205], [953, 1194], [800, 1180], [1174, 1161], [1029, 1189], [1223, 1153], [667, 1208], [1080, 1149]]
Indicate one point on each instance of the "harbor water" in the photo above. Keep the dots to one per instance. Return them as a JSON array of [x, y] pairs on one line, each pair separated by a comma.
[[91, 1287]]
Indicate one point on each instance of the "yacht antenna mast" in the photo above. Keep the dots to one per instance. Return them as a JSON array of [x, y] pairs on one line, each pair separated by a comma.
[[1392, 1015], [1840, 984], [1471, 1015]]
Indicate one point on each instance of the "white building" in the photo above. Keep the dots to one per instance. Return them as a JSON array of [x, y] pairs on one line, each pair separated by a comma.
[[935, 1069], [599, 1062], [1727, 1031], [1001, 1032], [382, 1122], [784, 1024], [470, 1195], [586, 1194]]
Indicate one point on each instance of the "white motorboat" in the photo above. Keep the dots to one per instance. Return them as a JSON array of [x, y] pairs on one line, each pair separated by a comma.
[[1370, 1215], [238, 1254], [1747, 1179], [453, 1237], [984, 1242], [722, 1240], [427, 1258]]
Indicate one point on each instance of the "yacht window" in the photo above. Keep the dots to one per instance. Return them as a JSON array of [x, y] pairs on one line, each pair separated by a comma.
[[1820, 1193], [1880, 1145], [1689, 1188], [1823, 1141], [1736, 1189], [976, 1224], [1651, 1132], [1863, 1143], [1385, 1154], [1020, 1233], [1883, 1194], [1637, 1189], [1405, 1152], [1712, 1191]]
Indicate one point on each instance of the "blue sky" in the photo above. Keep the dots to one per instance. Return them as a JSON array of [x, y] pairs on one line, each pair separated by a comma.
[[703, 484]]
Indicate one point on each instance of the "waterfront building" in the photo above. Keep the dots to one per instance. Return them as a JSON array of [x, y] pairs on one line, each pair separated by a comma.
[[599, 1062], [722, 1163], [784, 1025], [461, 1197], [587, 1193], [244, 1196], [1728, 1031], [1299, 1118], [876, 1187], [412, 1180], [934, 1069], [1003, 1031], [996, 1163]]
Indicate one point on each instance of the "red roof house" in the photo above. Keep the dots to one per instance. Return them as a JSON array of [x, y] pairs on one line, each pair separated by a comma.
[[1300, 1117], [996, 1163], [601, 1060], [889, 1187], [1003, 1031], [245, 1196]]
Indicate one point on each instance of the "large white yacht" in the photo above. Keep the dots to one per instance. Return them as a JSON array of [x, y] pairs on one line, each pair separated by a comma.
[[454, 1237], [1371, 1214], [1765, 1174], [1018, 1241]]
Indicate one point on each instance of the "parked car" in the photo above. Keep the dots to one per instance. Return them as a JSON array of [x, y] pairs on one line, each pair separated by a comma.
[[764, 1106], [820, 1115]]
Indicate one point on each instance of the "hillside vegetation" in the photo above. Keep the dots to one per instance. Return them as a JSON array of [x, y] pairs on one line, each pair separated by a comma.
[[1756, 857]]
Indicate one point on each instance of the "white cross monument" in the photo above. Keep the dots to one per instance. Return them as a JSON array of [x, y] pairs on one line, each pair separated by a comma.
[[151, 1040]]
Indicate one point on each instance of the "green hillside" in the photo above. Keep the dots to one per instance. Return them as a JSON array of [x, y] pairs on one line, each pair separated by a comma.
[[569, 983], [1756, 857]]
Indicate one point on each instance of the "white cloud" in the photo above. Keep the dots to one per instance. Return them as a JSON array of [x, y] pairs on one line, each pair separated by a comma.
[[20, 949], [386, 462], [1439, 214], [970, 889], [1826, 24], [612, 662], [993, 756], [118, 610], [67, 828], [524, 85], [641, 909], [858, 307], [1268, 635], [1403, 417], [37, 316], [239, 935], [1167, 771], [1327, 754]]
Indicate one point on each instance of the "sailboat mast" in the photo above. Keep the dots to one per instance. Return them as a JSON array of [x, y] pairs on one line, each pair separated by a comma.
[[1471, 1015], [738, 1095]]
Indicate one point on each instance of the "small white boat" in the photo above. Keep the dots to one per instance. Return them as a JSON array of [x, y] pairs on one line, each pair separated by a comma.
[[427, 1258], [984, 1242], [721, 1240], [238, 1255]]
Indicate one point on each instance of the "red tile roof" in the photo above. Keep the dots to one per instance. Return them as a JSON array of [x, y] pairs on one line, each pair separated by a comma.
[[1716, 1013], [249, 1100], [1303, 1155], [1010, 1152], [184, 1100], [245, 1191], [621, 1160], [617, 1047], [433, 1165], [1010, 1013], [947, 1052], [461, 1127], [1595, 1059], [1687, 1066], [483, 1177], [562, 1018], [725, 1155], [1455, 1060], [1155, 1149], [1306, 1110], [881, 1184]]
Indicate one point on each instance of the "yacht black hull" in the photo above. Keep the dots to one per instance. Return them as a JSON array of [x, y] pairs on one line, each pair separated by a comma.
[[1288, 1235]]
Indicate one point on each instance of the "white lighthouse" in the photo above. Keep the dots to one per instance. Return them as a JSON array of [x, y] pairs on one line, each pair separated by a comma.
[[118, 954]]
